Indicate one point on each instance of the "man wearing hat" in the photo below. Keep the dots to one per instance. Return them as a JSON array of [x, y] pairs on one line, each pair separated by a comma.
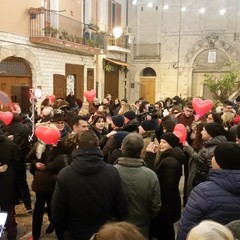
[[212, 134], [130, 122], [218, 198]]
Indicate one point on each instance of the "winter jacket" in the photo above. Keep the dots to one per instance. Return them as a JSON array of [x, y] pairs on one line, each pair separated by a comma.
[[217, 199], [169, 173], [9, 155], [204, 159], [88, 193], [44, 180], [143, 192]]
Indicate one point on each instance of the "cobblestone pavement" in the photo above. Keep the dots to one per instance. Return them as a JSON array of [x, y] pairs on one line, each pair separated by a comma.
[[24, 220]]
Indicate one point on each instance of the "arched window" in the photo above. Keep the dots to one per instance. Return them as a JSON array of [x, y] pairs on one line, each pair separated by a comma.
[[147, 72], [13, 66]]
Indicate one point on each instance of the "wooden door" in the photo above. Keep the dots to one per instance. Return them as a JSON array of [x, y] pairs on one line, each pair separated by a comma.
[[6, 83], [90, 78], [147, 89], [111, 83], [59, 86], [78, 72]]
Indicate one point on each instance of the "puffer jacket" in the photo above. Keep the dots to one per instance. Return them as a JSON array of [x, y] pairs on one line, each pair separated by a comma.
[[217, 199], [203, 162]]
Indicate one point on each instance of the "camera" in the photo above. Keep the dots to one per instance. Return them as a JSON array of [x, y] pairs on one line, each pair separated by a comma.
[[151, 112]]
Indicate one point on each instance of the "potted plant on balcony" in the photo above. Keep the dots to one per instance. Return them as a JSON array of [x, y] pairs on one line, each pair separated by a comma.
[[50, 31]]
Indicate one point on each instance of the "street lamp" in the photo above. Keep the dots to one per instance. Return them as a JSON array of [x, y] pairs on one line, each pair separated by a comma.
[[117, 33]]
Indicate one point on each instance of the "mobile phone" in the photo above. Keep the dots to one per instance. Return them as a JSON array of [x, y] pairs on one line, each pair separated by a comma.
[[152, 137], [3, 218]]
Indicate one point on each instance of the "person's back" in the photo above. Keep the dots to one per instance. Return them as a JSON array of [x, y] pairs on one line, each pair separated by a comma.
[[88, 192], [140, 183]]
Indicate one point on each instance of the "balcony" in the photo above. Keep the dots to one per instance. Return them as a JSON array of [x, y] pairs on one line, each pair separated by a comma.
[[52, 29], [149, 52]]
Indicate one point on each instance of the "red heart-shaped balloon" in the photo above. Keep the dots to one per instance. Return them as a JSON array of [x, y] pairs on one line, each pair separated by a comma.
[[181, 132], [52, 98], [6, 117], [201, 107], [90, 95], [48, 135]]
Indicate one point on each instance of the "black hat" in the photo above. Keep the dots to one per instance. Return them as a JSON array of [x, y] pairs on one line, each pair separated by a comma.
[[171, 139], [148, 125], [118, 138], [130, 115], [215, 129], [227, 155], [58, 116], [118, 120]]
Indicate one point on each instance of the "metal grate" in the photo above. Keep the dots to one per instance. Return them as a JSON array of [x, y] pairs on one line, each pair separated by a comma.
[[13, 66]]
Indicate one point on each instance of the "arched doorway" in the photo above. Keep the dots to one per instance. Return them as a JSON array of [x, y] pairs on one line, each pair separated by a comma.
[[16, 80], [202, 65], [148, 84]]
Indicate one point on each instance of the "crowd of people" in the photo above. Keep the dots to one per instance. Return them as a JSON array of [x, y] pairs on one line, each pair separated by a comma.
[[116, 169]]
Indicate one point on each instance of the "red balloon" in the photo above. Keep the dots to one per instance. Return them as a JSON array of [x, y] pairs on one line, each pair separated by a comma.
[[52, 98], [6, 117], [90, 95], [181, 132], [47, 134], [201, 107]]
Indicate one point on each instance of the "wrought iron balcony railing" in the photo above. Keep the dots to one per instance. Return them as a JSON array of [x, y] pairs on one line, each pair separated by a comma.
[[48, 27]]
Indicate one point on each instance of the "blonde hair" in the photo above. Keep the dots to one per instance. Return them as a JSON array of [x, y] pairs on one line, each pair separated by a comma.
[[210, 230], [119, 231]]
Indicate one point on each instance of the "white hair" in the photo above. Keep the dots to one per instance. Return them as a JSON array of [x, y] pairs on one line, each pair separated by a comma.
[[210, 230]]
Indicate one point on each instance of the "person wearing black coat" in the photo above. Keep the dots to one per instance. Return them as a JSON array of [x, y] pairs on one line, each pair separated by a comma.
[[169, 172], [20, 132], [88, 193], [9, 163]]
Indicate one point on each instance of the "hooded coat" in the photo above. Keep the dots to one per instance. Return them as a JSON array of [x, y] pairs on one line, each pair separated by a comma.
[[88, 193], [217, 199]]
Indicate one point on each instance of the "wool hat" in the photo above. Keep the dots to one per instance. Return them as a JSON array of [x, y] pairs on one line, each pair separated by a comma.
[[96, 117], [227, 155], [118, 120], [171, 139], [118, 138], [148, 125], [234, 226], [215, 129], [130, 115]]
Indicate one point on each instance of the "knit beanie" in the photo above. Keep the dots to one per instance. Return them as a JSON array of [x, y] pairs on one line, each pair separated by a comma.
[[171, 139], [118, 138], [148, 125], [118, 120], [227, 155], [234, 226], [215, 129], [130, 115]]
